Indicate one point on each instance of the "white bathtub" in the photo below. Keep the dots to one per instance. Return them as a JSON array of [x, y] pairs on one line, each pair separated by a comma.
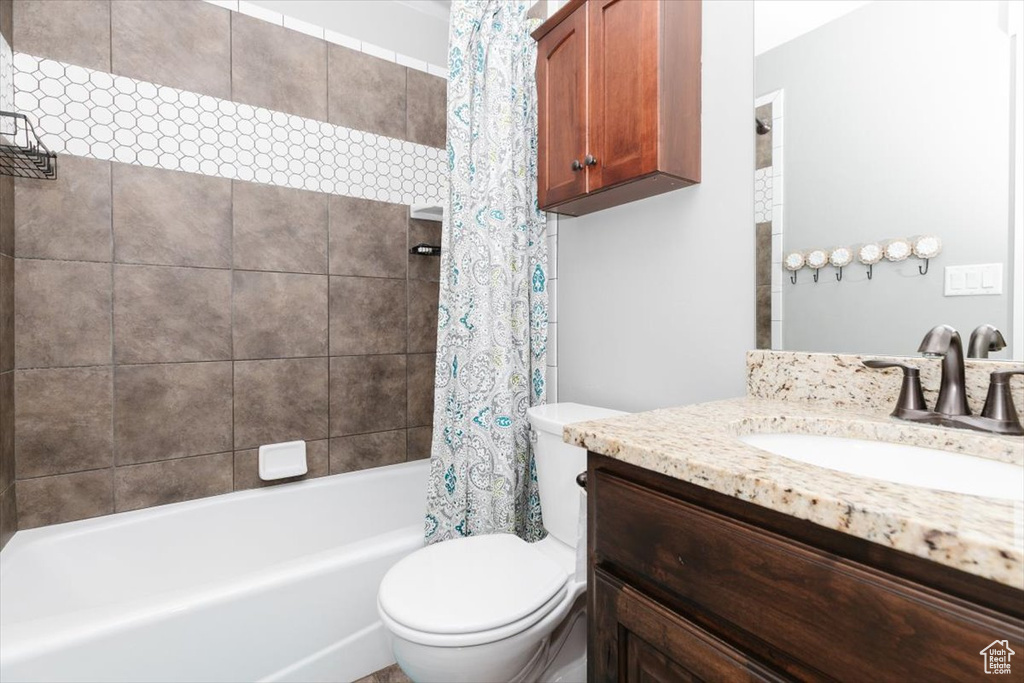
[[276, 584]]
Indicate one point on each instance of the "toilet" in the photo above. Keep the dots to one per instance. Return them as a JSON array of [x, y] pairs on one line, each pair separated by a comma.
[[496, 608]]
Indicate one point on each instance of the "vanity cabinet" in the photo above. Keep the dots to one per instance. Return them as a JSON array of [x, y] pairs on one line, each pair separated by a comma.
[[688, 584], [618, 88]]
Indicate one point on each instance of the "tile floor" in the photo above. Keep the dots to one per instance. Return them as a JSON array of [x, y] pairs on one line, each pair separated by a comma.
[[392, 674]]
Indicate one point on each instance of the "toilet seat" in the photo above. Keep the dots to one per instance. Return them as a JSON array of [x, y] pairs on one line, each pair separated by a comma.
[[443, 640], [471, 591]]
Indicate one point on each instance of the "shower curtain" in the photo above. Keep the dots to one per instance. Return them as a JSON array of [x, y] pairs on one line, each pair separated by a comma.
[[492, 316]]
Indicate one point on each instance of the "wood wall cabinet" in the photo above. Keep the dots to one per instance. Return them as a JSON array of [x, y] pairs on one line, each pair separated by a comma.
[[618, 88], [691, 585]]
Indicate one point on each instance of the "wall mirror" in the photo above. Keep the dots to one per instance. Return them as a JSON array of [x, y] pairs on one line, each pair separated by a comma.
[[879, 124]]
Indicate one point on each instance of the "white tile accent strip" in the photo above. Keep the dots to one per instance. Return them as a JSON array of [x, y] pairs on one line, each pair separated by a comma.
[[552, 257], [6, 76], [763, 195], [304, 27], [552, 224], [226, 4], [552, 384], [552, 305], [95, 114], [553, 344], [343, 40], [439, 71], [258, 12], [380, 52], [417, 64]]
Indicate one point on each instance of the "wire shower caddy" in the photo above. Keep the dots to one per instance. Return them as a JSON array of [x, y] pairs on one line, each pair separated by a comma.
[[22, 153]]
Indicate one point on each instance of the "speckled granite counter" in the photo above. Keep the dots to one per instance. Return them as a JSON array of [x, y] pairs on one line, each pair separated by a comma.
[[842, 381], [698, 444]]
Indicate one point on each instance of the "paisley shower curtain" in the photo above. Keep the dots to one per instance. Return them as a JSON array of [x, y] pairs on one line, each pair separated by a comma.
[[492, 319]]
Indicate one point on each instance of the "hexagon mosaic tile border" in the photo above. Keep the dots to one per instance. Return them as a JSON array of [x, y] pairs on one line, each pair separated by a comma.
[[6, 76], [95, 114], [763, 195]]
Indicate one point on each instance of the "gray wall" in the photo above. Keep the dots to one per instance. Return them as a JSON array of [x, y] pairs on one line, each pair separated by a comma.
[[389, 24], [655, 297], [8, 515], [896, 124]]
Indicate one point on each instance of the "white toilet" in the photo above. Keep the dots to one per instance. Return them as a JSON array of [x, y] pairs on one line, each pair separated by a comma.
[[496, 608]]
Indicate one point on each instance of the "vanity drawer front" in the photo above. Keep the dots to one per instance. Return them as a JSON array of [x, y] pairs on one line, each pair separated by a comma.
[[835, 616], [641, 640]]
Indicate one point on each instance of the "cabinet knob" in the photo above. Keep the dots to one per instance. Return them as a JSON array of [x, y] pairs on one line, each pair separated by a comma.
[[576, 165], [590, 160]]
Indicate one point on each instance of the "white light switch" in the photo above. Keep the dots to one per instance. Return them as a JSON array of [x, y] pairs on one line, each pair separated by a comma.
[[282, 460], [974, 280]]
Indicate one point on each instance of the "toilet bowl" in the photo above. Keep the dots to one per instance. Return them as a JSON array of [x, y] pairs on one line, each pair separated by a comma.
[[496, 608]]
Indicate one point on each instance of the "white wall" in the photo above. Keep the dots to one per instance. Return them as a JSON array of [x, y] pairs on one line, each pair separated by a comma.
[[779, 21], [897, 124], [656, 297], [415, 28], [1015, 21]]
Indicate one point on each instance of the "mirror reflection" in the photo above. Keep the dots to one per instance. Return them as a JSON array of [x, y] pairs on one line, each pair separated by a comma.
[[884, 193]]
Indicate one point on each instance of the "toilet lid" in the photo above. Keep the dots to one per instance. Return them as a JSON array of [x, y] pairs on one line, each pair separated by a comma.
[[469, 584]]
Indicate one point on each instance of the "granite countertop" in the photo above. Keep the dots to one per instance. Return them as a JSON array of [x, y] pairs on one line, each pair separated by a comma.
[[699, 444]]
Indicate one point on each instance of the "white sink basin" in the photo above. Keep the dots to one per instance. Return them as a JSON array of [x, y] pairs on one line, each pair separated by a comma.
[[912, 465]]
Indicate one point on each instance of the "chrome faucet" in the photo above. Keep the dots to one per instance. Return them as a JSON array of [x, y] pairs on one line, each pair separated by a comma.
[[944, 341], [985, 339], [999, 416]]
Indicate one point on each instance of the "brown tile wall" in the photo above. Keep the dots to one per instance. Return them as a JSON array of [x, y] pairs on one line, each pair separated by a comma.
[[8, 514], [763, 268], [763, 253], [140, 383], [166, 324], [763, 151], [203, 48]]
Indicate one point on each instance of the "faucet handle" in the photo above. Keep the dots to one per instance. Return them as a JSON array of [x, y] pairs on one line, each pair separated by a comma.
[[911, 400], [878, 364], [984, 339], [1003, 376], [999, 403]]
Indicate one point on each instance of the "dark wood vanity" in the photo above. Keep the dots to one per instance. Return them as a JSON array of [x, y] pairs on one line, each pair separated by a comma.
[[618, 102], [687, 584]]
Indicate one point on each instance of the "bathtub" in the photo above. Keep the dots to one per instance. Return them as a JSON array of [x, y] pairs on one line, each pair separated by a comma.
[[276, 584]]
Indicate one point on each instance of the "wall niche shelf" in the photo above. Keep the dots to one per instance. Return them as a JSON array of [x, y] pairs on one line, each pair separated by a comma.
[[426, 212]]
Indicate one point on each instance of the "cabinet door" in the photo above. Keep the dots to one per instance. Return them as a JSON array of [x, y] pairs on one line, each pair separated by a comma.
[[623, 99], [562, 110], [635, 639], [810, 613]]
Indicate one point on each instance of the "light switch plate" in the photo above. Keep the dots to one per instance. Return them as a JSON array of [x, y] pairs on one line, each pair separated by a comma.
[[974, 280], [282, 460]]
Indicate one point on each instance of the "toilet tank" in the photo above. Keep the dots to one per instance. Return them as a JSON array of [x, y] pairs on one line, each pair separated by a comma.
[[558, 463]]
